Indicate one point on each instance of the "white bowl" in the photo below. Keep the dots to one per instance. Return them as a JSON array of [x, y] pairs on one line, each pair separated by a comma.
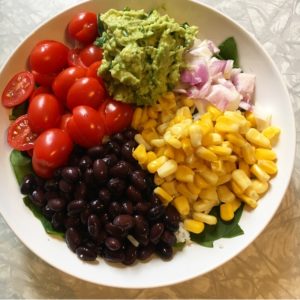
[[195, 260]]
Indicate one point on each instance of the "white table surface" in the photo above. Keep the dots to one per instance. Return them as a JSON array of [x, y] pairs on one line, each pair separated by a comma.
[[269, 268]]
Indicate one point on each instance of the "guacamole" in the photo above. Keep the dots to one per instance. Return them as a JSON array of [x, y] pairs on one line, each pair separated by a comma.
[[142, 53]]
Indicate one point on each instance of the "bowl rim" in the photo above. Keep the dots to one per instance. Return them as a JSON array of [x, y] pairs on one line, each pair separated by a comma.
[[292, 136]]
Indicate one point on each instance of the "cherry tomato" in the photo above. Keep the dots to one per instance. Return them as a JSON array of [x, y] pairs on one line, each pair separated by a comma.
[[51, 150], [65, 80], [48, 57], [83, 27], [116, 115], [85, 91], [45, 80], [41, 170], [20, 135], [64, 121], [18, 89], [74, 59], [86, 127], [39, 90], [44, 112], [90, 54]]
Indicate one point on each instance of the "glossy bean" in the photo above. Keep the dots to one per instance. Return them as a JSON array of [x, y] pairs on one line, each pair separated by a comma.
[[76, 206], [164, 251], [71, 174], [119, 138], [51, 185], [94, 225], [172, 218], [97, 152], [113, 243], [85, 162], [141, 225], [156, 232], [97, 206], [114, 209], [139, 180], [57, 220], [125, 221], [110, 159], [120, 169], [168, 238], [115, 230], [142, 208], [86, 253], [80, 190], [104, 196], [28, 185], [144, 252], [56, 204], [129, 133], [71, 221], [100, 170], [73, 238], [155, 212], [65, 186], [133, 194], [38, 197], [130, 255], [116, 186], [114, 147], [127, 208], [127, 149], [113, 256]]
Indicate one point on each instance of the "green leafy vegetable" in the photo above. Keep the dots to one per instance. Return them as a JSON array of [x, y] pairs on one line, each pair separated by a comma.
[[222, 229], [228, 50], [21, 165], [18, 111], [179, 246]]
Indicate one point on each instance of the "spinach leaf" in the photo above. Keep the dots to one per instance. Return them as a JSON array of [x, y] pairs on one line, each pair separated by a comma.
[[228, 50], [21, 165], [179, 246], [100, 25], [222, 229], [18, 111]]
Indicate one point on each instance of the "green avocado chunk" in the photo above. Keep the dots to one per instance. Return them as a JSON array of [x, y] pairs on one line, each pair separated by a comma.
[[143, 53]]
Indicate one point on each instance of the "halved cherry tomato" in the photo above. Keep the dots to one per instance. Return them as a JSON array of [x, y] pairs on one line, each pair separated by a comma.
[[85, 91], [64, 121], [48, 57], [51, 150], [86, 127], [39, 90], [20, 135], [92, 71], [44, 112], [18, 89], [45, 80], [74, 59], [90, 54], [65, 80], [83, 27], [116, 115]]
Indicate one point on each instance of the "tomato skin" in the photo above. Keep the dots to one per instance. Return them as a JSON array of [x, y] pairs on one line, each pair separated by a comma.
[[41, 170], [20, 135], [51, 150], [65, 80], [74, 59], [85, 91], [39, 90], [85, 126], [18, 89], [44, 80], [83, 27], [64, 121], [48, 57], [92, 71], [116, 115], [44, 112], [91, 54]]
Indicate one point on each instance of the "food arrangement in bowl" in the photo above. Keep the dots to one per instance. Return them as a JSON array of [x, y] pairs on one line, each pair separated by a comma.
[[135, 143]]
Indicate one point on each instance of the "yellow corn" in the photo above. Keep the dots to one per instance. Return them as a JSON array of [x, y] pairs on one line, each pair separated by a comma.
[[226, 124], [195, 190], [209, 194], [150, 156], [207, 219], [214, 112], [224, 194], [152, 113], [161, 151], [182, 205], [209, 176], [211, 139], [149, 135], [187, 146], [184, 174], [170, 96], [195, 135], [251, 118], [162, 128], [241, 178], [183, 190], [163, 195], [144, 117], [200, 182], [271, 133], [192, 161], [236, 188], [220, 150], [250, 192], [168, 168], [230, 158], [158, 180], [236, 203], [188, 102], [157, 142], [155, 164], [257, 138], [261, 153], [136, 118], [169, 152], [226, 212], [185, 112], [218, 167], [259, 173], [248, 152], [229, 166], [150, 124], [171, 140], [249, 201], [170, 187], [140, 140], [236, 139], [193, 226], [179, 156], [260, 186], [223, 179], [203, 205], [206, 154], [178, 131], [170, 178], [268, 166]]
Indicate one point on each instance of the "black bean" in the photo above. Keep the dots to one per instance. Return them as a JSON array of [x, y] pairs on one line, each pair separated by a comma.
[[65, 186], [51, 185], [88, 176], [113, 243], [97, 152], [71, 174], [129, 133], [97, 206], [143, 239], [80, 190], [156, 232], [86, 253], [127, 208], [57, 173], [141, 226], [139, 180], [73, 238], [47, 212], [120, 169], [155, 212], [85, 163], [104, 196], [76, 207], [110, 159], [113, 256], [119, 138], [164, 251], [127, 149], [100, 238], [100, 170], [104, 218], [38, 197], [125, 221], [172, 218], [154, 200], [52, 194], [115, 230], [56, 204], [114, 209], [90, 244], [133, 194], [144, 252], [113, 147], [40, 182], [85, 214], [168, 238], [94, 225], [130, 255], [57, 220], [72, 221], [73, 160], [142, 207], [116, 186], [28, 184]]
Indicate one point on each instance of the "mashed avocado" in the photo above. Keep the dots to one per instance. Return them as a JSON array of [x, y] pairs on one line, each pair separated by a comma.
[[142, 53]]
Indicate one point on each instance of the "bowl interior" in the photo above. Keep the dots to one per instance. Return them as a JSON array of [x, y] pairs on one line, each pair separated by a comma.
[[194, 260]]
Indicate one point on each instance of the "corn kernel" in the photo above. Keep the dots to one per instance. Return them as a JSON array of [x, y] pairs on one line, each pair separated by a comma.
[[183, 190], [250, 192], [268, 166], [182, 205], [249, 201], [144, 117], [226, 212], [155, 164], [184, 174], [226, 124], [206, 154], [209, 194], [203, 205], [259, 173], [236, 188], [220, 150], [223, 179], [149, 135], [209, 176], [170, 187], [195, 190], [170, 96], [152, 113], [179, 156], [218, 167], [211, 139], [271, 133], [241, 178], [236, 203], [168, 168], [185, 112], [195, 135], [162, 128], [169, 152], [140, 154], [172, 141], [193, 226], [136, 119], [230, 158], [248, 153], [163, 195], [160, 151], [200, 182], [260, 186], [229, 166], [157, 142], [188, 102], [251, 118], [257, 138], [236, 139], [166, 116], [261, 153], [170, 178], [187, 146], [224, 194], [150, 124], [140, 140], [207, 219], [158, 180], [237, 150], [192, 161], [214, 112]]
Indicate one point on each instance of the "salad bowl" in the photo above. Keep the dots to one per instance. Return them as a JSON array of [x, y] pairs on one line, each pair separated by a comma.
[[193, 260]]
